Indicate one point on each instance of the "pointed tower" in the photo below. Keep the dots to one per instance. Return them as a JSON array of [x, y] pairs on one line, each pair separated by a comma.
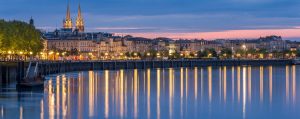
[[68, 20], [31, 21], [79, 21]]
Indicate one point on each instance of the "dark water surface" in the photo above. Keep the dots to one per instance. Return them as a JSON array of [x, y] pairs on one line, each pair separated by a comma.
[[205, 92]]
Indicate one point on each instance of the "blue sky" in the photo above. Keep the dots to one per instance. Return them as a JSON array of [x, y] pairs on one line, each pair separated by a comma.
[[163, 17]]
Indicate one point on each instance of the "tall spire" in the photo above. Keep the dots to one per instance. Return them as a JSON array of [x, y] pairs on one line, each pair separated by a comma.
[[68, 20], [68, 16], [79, 21]]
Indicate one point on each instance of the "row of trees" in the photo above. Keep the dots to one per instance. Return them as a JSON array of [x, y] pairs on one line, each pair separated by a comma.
[[17, 36]]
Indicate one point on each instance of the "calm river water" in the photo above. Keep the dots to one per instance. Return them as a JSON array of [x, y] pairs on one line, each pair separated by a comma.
[[241, 92]]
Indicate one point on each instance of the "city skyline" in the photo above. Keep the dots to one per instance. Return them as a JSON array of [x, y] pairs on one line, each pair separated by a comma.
[[227, 19]]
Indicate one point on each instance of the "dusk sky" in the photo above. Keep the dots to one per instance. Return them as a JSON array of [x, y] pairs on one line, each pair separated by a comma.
[[207, 19]]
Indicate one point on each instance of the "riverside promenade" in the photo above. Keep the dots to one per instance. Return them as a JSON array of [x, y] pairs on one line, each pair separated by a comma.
[[16, 71]]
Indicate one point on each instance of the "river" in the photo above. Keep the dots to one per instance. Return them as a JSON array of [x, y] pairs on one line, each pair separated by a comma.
[[242, 92]]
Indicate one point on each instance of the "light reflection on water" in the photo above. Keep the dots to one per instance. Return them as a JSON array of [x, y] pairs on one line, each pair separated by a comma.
[[203, 92]]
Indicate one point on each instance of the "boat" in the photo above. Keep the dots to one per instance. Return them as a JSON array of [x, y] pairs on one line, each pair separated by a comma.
[[32, 81], [24, 87]]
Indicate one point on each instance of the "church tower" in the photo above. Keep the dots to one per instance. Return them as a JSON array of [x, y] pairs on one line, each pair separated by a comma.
[[68, 20], [31, 21], [79, 21]]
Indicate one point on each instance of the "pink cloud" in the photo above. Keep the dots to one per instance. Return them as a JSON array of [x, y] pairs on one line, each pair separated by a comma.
[[229, 34]]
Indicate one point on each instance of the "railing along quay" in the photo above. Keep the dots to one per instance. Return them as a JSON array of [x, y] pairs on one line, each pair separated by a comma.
[[15, 71]]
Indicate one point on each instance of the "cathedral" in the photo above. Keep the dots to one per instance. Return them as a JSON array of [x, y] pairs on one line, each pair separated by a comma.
[[68, 24]]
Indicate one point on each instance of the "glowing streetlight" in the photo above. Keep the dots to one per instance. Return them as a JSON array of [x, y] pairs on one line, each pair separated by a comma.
[[9, 52], [244, 47], [30, 53], [249, 55], [148, 54], [21, 53], [209, 55], [261, 56], [287, 54], [158, 55], [270, 55]]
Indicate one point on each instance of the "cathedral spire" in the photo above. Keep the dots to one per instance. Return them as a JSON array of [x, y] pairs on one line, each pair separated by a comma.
[[79, 21], [68, 20], [68, 16]]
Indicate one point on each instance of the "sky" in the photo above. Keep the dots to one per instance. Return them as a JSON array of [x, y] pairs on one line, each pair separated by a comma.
[[208, 19]]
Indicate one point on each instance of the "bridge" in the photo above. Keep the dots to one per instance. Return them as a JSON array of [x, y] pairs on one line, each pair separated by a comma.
[[47, 68], [28, 70]]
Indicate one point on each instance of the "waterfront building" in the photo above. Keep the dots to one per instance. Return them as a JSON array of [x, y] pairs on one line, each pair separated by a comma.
[[213, 45], [293, 44], [138, 44], [272, 43], [160, 44], [111, 47], [240, 44], [191, 45]]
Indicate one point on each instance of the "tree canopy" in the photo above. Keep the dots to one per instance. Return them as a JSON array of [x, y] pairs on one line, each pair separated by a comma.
[[19, 36]]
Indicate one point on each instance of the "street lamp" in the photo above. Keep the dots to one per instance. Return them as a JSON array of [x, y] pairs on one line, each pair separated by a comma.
[[249, 55], [261, 56], [209, 55], [270, 55], [158, 55], [244, 47], [293, 54]]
